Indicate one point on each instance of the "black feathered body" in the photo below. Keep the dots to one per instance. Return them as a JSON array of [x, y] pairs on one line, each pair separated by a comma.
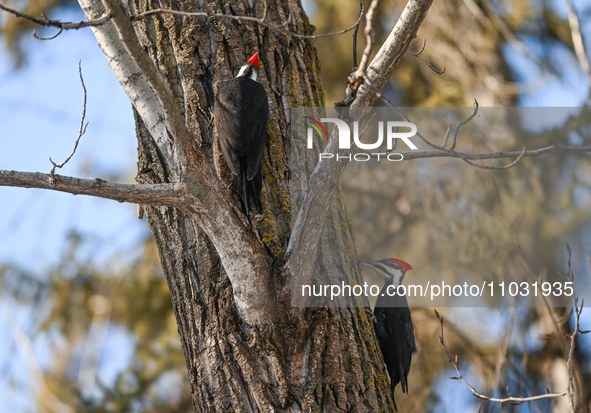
[[396, 336], [241, 115]]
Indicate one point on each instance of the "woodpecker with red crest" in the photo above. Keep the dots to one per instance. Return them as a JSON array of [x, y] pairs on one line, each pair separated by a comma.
[[393, 322], [241, 114]]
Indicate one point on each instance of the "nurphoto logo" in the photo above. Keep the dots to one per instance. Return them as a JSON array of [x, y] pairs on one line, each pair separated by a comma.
[[388, 130]]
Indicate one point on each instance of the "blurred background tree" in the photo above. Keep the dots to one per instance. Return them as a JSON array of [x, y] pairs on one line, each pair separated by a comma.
[[101, 332]]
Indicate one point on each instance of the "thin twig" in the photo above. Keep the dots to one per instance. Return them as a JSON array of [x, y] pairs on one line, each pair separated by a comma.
[[447, 132], [510, 400], [453, 145], [573, 335], [47, 38], [369, 37], [44, 21], [356, 79], [420, 51], [393, 106], [355, 36], [82, 129], [262, 21], [417, 55], [465, 156]]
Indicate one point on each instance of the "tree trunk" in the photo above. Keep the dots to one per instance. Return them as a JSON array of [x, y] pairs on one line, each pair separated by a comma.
[[246, 348]]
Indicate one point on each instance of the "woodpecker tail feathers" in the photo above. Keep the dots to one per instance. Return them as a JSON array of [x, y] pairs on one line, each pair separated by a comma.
[[249, 190]]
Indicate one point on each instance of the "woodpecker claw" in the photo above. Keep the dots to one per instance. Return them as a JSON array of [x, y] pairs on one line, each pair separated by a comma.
[[372, 316]]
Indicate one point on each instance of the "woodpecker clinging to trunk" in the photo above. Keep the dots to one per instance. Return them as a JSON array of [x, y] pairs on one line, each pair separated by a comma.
[[241, 114], [393, 322]]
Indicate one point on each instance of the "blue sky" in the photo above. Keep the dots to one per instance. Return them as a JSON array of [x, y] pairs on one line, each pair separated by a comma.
[[40, 111]]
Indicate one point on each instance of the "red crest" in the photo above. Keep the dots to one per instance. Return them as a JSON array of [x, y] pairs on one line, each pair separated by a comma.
[[405, 265], [254, 60]]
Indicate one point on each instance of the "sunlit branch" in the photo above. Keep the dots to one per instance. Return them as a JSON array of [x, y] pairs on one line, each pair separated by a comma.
[[44, 21], [154, 194]]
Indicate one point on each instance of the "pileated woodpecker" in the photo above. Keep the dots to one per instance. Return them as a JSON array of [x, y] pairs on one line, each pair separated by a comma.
[[393, 322], [241, 115]]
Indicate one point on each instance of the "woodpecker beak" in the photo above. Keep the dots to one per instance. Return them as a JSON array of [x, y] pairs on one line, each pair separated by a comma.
[[368, 264], [254, 60]]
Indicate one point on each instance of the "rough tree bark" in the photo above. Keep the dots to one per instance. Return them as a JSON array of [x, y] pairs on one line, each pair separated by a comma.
[[229, 275], [246, 348], [306, 360]]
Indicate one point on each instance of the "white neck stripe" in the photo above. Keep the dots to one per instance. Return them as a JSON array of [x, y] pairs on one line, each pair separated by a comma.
[[243, 69]]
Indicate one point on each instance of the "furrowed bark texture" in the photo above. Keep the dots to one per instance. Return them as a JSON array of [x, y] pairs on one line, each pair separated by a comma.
[[305, 359]]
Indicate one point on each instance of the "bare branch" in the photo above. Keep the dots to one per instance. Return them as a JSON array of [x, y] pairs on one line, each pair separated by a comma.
[[512, 164], [355, 36], [148, 69], [82, 129], [44, 21], [156, 194], [577, 310], [392, 50], [493, 155], [465, 156], [356, 79], [262, 21], [579, 46], [369, 38], [106, 17], [510, 400], [379, 95], [453, 145]]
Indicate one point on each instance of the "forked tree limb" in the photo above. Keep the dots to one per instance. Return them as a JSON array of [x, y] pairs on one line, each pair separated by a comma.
[[242, 255], [323, 183]]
